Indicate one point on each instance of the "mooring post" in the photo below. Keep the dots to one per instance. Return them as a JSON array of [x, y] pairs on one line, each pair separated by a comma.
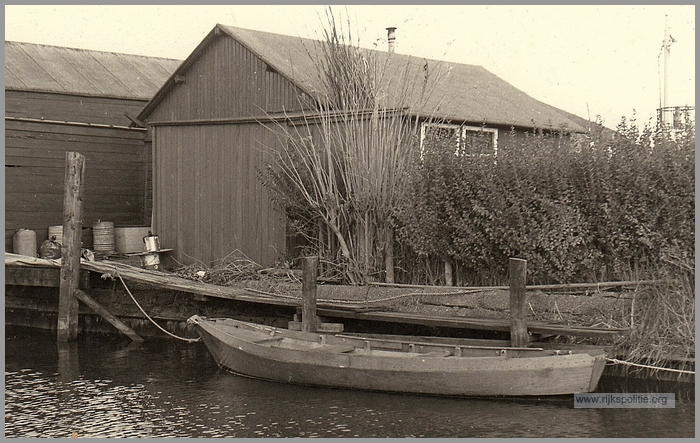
[[517, 270], [309, 274], [70, 255], [68, 362]]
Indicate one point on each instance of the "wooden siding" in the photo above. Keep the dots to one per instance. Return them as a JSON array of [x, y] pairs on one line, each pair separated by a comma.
[[208, 200], [226, 81], [115, 175], [71, 108]]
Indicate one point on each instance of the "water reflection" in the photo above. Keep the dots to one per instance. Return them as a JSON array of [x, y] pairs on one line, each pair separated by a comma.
[[108, 388]]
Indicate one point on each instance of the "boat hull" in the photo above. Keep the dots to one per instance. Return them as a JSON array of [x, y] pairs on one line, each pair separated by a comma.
[[414, 373]]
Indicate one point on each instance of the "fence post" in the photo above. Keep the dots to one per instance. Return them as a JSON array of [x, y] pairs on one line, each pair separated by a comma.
[[309, 269], [67, 328], [517, 270]]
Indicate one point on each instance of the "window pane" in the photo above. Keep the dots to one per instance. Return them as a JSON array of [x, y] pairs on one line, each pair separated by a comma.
[[478, 142], [440, 132]]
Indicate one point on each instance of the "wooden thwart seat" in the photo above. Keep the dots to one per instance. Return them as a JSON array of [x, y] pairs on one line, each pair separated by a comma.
[[268, 340], [439, 353], [334, 349]]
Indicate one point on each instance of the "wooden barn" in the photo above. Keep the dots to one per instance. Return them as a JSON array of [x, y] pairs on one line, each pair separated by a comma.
[[61, 99], [209, 120]]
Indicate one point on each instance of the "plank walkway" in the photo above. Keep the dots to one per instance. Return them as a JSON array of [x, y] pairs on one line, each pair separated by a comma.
[[324, 308]]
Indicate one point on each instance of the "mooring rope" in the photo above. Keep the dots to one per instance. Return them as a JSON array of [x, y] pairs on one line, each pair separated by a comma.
[[629, 363], [362, 302], [189, 340]]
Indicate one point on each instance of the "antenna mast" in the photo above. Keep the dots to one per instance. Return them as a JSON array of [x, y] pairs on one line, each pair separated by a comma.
[[666, 45]]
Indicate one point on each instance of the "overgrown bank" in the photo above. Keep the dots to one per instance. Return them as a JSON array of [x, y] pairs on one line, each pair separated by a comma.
[[379, 198]]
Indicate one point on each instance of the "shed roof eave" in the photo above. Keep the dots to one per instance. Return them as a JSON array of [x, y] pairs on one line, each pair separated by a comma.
[[574, 128], [77, 94]]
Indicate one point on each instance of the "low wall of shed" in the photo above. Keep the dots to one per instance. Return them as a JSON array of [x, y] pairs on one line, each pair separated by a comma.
[[116, 178]]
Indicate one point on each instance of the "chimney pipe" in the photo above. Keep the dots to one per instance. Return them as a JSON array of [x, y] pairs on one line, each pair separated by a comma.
[[391, 37]]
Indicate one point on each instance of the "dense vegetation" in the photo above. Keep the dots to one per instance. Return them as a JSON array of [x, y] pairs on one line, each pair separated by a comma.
[[578, 208]]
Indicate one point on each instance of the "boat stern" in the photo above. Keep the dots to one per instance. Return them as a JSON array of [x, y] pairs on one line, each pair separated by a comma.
[[597, 372]]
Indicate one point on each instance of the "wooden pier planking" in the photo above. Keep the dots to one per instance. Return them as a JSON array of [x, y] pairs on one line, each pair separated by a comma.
[[326, 309], [484, 324], [41, 276]]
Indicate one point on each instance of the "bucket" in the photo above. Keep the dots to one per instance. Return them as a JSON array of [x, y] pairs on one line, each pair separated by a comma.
[[103, 236], [24, 242], [58, 232], [151, 261]]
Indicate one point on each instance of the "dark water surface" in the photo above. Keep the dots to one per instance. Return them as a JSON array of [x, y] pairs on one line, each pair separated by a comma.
[[102, 386]]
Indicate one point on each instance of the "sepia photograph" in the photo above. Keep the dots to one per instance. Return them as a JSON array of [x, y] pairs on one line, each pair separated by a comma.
[[349, 221]]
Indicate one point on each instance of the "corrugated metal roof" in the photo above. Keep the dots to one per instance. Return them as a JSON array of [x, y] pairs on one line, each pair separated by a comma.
[[43, 68], [463, 93]]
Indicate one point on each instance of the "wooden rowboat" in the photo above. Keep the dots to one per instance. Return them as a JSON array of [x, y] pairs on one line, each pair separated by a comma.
[[396, 365]]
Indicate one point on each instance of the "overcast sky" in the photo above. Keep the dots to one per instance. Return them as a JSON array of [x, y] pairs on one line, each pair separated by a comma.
[[588, 60]]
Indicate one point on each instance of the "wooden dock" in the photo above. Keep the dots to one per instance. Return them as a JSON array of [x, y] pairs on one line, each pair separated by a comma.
[[20, 274]]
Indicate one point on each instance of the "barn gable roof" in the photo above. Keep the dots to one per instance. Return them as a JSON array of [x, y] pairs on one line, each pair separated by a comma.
[[465, 93], [55, 69]]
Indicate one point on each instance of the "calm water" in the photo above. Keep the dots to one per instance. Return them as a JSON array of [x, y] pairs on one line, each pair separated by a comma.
[[102, 386]]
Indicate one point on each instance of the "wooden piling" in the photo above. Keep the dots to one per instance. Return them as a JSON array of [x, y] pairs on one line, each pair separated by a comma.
[[68, 363], [448, 273], [309, 269], [517, 271], [67, 328]]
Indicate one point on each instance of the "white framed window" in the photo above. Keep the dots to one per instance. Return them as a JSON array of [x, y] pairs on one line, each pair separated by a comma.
[[469, 140]]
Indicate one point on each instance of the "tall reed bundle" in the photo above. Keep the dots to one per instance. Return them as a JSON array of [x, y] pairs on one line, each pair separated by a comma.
[[347, 160]]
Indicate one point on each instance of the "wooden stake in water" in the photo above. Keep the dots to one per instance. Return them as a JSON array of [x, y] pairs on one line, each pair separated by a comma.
[[309, 269], [67, 328], [517, 271]]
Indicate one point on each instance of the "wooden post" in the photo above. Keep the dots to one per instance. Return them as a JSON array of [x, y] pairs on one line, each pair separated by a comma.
[[309, 275], [68, 362], [389, 258], [517, 270], [70, 255], [448, 273]]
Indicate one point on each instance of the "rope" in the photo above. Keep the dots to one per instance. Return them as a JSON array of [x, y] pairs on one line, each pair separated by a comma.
[[622, 362], [362, 302], [188, 340]]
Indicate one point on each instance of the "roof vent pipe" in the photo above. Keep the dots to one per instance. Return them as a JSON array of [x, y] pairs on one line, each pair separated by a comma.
[[391, 38]]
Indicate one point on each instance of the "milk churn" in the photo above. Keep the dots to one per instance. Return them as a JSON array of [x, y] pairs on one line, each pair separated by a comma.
[[152, 243], [24, 242]]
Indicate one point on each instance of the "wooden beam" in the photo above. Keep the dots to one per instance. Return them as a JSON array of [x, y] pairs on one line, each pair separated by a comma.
[[334, 328], [43, 277], [562, 287], [67, 327], [479, 324], [104, 313], [517, 271], [309, 275]]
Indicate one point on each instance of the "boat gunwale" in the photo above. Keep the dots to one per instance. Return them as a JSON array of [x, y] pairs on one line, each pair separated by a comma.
[[420, 362]]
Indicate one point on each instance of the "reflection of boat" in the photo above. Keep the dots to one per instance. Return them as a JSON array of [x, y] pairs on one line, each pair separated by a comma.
[[378, 364]]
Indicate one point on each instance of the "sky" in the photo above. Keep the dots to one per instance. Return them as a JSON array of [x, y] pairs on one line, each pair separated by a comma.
[[588, 60]]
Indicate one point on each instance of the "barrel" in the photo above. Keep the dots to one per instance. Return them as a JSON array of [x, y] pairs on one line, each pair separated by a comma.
[[24, 242], [103, 236], [58, 232]]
